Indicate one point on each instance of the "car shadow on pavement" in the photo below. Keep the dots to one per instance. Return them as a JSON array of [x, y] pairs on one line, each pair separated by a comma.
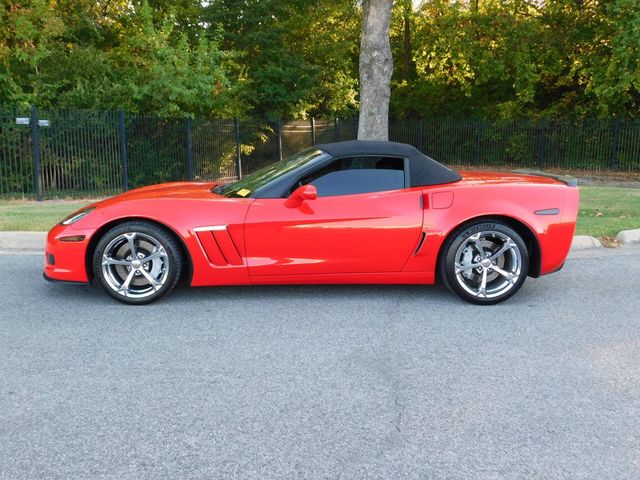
[[282, 293], [316, 292], [295, 295]]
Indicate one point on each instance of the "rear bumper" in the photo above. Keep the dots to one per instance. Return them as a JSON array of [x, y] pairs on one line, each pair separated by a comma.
[[555, 270], [555, 242], [65, 258]]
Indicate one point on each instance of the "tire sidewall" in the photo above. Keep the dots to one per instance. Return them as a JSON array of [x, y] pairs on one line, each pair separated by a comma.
[[447, 267], [162, 236]]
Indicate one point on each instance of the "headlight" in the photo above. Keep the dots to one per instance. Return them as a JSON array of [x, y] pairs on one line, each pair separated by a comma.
[[77, 216]]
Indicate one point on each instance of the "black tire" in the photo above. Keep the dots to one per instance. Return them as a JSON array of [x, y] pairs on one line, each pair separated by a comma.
[[144, 281], [503, 274]]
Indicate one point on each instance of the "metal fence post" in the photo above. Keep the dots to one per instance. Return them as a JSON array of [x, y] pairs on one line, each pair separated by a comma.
[[479, 142], [313, 131], [542, 132], [36, 152], [279, 142], [615, 140], [122, 141], [421, 140], [337, 129], [189, 128], [238, 146]]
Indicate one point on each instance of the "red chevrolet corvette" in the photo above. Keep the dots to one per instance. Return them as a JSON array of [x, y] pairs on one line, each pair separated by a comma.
[[349, 212]]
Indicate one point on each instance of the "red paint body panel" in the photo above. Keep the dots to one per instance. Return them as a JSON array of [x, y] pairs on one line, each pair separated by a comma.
[[514, 197], [364, 238], [365, 233], [69, 256]]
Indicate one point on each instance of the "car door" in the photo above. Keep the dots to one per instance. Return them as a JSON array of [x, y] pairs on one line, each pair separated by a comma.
[[364, 220]]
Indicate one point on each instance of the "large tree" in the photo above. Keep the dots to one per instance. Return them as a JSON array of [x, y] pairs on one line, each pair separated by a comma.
[[111, 55], [495, 59], [298, 58], [376, 68]]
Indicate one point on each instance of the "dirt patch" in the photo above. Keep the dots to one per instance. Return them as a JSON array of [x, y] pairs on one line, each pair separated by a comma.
[[610, 242]]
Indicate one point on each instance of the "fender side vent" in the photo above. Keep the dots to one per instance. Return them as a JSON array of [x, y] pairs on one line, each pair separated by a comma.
[[423, 235], [218, 245]]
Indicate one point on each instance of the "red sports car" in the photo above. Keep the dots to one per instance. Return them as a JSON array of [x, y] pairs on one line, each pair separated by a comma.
[[348, 212]]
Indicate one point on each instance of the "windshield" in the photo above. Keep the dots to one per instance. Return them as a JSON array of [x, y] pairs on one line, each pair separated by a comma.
[[255, 181]]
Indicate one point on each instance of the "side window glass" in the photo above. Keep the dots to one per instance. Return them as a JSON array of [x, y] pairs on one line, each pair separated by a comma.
[[348, 176]]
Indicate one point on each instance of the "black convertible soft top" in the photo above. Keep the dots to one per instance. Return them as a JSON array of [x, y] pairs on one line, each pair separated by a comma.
[[423, 170]]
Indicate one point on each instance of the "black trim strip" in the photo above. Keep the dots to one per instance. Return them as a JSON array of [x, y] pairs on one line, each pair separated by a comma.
[[70, 282], [407, 173]]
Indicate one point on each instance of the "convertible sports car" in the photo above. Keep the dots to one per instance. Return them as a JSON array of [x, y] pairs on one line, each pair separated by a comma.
[[348, 212]]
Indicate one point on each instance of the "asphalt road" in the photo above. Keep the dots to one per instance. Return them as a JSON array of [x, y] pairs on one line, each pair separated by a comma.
[[323, 382]]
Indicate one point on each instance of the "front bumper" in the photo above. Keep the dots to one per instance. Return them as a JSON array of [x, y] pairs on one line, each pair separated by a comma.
[[65, 254], [53, 280]]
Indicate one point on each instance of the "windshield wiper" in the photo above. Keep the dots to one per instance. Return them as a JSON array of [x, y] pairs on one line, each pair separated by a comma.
[[218, 188]]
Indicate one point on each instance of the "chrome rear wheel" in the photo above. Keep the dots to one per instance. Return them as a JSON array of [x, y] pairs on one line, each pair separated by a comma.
[[488, 264], [484, 262]]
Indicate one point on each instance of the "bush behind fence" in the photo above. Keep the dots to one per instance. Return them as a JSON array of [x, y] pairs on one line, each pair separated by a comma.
[[52, 153]]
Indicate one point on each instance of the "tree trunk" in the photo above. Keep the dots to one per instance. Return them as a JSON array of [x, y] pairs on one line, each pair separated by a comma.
[[408, 66], [376, 67]]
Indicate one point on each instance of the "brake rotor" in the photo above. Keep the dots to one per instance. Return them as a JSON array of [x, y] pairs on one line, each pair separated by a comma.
[[468, 257], [145, 248]]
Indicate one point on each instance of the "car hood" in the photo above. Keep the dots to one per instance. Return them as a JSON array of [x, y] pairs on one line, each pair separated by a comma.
[[176, 204], [171, 190]]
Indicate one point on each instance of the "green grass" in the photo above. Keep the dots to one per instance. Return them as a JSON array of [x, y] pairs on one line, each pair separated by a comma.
[[22, 215], [604, 211]]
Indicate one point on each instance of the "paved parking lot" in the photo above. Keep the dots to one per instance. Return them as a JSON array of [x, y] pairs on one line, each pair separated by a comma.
[[323, 382]]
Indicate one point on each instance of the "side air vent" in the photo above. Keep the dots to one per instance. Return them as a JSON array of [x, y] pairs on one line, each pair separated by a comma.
[[423, 235], [218, 245]]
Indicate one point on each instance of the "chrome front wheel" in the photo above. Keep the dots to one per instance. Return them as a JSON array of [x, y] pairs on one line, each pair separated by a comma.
[[135, 265], [137, 262]]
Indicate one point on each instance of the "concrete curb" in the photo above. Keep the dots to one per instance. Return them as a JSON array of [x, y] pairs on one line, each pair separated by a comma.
[[629, 237], [23, 241], [585, 242]]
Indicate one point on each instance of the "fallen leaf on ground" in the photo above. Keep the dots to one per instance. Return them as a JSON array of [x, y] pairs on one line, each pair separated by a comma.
[[610, 241]]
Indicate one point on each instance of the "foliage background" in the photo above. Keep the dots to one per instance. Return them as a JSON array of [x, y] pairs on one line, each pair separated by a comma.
[[492, 59]]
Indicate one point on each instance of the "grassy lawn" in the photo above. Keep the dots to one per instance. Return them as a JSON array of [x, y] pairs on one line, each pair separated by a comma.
[[604, 211], [24, 215]]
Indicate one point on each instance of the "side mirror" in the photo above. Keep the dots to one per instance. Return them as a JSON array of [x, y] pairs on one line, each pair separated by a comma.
[[300, 194]]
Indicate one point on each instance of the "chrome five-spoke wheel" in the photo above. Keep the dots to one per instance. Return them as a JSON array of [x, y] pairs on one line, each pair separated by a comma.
[[488, 264], [135, 265], [137, 262], [485, 263]]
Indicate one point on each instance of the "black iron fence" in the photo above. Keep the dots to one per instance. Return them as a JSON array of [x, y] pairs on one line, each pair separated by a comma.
[[52, 153]]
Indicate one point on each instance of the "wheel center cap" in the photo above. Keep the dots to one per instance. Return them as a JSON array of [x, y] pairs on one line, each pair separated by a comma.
[[486, 263], [136, 264]]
